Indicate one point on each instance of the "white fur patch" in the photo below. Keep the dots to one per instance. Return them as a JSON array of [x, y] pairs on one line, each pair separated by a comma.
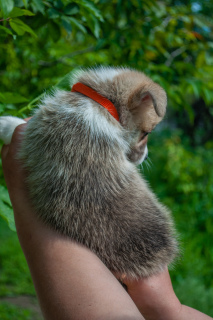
[[107, 73], [7, 127], [145, 154], [97, 122], [97, 74], [84, 110]]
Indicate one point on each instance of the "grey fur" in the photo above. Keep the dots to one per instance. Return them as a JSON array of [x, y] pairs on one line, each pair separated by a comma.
[[81, 180]]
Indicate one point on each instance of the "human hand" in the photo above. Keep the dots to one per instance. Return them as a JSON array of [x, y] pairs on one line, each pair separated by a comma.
[[63, 271], [155, 298], [70, 281], [15, 177]]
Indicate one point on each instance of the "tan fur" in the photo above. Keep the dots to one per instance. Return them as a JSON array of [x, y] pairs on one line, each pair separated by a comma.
[[82, 177]]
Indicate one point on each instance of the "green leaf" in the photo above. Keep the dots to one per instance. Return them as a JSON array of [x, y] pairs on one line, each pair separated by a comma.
[[190, 112], [2, 108], [66, 24], [55, 31], [7, 214], [77, 24], [58, 4], [6, 7], [94, 25], [207, 96], [17, 12], [4, 196], [64, 83], [17, 28], [38, 5], [91, 8], [97, 28], [195, 87], [53, 14], [71, 9], [25, 3], [6, 211], [10, 97], [20, 27], [6, 30]]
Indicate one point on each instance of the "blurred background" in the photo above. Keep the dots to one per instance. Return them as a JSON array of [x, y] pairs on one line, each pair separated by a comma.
[[43, 42]]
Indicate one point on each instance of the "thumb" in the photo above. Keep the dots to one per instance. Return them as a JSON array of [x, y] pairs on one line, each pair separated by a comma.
[[4, 151]]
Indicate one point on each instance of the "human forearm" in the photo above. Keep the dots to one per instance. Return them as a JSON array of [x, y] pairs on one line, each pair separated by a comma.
[[155, 298], [72, 283]]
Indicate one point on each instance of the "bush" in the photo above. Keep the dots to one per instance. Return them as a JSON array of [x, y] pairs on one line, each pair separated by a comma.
[[182, 177]]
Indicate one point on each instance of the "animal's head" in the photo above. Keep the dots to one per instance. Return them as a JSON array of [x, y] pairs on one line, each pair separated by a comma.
[[140, 102]]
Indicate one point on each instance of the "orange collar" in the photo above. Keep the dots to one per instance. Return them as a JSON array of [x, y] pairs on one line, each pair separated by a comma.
[[92, 94]]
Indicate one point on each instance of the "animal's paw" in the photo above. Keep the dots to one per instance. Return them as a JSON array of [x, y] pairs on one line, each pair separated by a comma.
[[7, 127]]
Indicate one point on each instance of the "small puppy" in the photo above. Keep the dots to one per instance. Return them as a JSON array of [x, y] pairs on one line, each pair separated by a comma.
[[81, 149]]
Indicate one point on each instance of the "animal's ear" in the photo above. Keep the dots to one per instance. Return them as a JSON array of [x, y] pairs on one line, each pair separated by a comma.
[[148, 103]]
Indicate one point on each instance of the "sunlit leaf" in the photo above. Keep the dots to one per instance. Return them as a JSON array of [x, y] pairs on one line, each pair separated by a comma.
[[6, 6], [17, 12], [77, 24], [6, 30], [20, 27], [16, 27], [10, 97]]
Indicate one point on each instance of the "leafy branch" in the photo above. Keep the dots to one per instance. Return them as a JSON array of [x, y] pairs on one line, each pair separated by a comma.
[[5, 19], [173, 55]]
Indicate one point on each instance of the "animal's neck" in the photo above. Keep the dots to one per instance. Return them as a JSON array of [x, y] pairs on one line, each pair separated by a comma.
[[94, 95]]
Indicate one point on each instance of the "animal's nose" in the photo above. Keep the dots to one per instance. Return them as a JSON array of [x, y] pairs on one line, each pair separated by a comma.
[[146, 156]]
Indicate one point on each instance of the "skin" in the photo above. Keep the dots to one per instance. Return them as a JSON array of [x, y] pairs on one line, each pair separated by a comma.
[[70, 281]]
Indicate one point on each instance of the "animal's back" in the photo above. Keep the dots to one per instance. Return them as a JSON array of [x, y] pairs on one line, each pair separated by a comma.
[[83, 185]]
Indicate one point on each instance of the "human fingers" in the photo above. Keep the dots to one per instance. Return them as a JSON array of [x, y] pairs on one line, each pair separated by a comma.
[[4, 150], [12, 168]]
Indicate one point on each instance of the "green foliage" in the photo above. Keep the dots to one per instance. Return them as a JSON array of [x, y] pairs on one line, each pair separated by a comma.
[[9, 312], [14, 273], [182, 179], [193, 293], [169, 41], [6, 211]]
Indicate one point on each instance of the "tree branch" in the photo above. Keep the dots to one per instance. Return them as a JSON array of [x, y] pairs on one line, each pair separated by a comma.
[[173, 55], [5, 19]]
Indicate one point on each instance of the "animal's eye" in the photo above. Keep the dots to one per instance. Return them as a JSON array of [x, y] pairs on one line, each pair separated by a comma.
[[145, 134]]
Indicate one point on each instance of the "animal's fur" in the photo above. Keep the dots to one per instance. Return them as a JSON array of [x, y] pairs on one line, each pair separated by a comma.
[[82, 178]]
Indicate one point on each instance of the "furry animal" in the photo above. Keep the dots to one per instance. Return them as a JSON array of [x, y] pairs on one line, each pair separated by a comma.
[[82, 173]]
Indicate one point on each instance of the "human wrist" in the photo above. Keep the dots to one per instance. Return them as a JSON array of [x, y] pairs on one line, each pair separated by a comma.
[[154, 296]]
